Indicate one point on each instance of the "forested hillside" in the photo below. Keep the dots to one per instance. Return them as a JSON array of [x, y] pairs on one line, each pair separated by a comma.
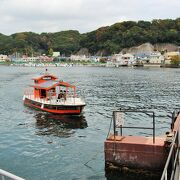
[[110, 39]]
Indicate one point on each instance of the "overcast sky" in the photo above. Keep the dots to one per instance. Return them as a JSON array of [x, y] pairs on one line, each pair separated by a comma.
[[82, 15]]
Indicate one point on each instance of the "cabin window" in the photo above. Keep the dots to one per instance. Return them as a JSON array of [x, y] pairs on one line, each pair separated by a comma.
[[47, 78], [43, 93]]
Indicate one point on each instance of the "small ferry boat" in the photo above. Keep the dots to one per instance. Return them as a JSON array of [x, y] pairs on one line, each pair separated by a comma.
[[52, 95]]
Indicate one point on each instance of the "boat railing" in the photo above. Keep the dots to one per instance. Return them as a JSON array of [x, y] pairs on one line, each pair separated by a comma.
[[7, 175], [81, 98], [29, 93], [69, 100], [171, 169], [60, 101], [54, 99]]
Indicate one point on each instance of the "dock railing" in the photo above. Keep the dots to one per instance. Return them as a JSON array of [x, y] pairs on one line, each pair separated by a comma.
[[7, 175], [118, 121], [171, 169]]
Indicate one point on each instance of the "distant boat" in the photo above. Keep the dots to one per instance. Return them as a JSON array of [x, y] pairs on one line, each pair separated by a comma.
[[54, 96]]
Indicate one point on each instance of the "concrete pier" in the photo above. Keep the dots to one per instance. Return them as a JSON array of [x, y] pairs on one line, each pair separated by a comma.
[[136, 152]]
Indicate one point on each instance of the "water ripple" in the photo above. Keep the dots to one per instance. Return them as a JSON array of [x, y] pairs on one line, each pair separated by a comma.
[[38, 146]]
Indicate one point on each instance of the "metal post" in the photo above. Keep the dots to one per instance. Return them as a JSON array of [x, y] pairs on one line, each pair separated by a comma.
[[153, 128], [74, 92], [9, 175], [166, 175], [172, 121], [121, 129], [114, 122]]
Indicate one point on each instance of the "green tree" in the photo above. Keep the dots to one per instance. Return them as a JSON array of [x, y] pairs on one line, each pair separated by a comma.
[[50, 52], [107, 39]]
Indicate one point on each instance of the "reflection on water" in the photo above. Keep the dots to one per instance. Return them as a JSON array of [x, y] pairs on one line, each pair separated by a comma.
[[56, 125]]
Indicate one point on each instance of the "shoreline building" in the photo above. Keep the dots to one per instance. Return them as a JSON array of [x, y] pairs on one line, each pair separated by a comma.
[[4, 58], [79, 58], [121, 60]]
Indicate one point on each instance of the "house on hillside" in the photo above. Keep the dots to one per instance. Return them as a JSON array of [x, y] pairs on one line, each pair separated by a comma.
[[45, 59], [56, 54], [94, 58], [156, 58], [144, 57], [123, 59], [150, 58], [79, 58], [129, 58], [3, 58], [29, 59]]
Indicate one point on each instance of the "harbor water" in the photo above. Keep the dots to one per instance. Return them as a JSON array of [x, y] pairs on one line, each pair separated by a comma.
[[37, 145]]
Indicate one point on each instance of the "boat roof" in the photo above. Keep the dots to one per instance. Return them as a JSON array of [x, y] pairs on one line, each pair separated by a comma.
[[44, 75], [52, 84]]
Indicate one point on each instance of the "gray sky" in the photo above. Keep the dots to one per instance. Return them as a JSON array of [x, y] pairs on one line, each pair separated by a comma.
[[82, 15]]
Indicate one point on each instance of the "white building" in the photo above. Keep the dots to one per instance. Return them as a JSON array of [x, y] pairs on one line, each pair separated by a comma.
[[3, 58], [123, 59], [56, 54], [79, 58], [156, 58], [95, 58], [29, 59]]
